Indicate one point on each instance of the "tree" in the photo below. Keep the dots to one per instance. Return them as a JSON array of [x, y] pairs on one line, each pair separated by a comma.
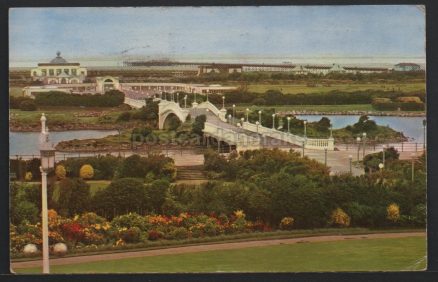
[[340, 218], [157, 192], [198, 125], [74, 196], [122, 196], [28, 105], [60, 172], [86, 172]]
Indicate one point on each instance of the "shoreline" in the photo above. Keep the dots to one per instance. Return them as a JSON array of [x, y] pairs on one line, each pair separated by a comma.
[[355, 113]]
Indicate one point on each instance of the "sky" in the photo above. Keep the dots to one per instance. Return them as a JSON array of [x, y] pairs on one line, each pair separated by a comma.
[[294, 31]]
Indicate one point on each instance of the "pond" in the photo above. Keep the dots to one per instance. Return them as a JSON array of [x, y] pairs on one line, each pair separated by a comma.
[[411, 127], [27, 143]]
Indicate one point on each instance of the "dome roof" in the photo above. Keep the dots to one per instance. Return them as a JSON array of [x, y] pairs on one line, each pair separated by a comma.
[[58, 59]]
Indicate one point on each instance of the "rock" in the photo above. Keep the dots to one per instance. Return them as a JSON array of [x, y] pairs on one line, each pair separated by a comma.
[[60, 249], [30, 249]]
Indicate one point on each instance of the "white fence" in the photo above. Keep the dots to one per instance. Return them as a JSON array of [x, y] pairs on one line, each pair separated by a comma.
[[135, 103], [241, 140]]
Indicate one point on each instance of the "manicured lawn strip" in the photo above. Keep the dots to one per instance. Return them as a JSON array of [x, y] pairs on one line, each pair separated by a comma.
[[319, 108], [345, 87], [162, 244], [355, 255]]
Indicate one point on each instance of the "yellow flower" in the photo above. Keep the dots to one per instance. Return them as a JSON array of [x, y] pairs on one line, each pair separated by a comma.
[[97, 226], [239, 213]]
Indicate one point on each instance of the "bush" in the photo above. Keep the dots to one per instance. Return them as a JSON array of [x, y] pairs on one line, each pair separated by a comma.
[[286, 223], [393, 212], [28, 105], [179, 233], [124, 116], [60, 172], [131, 235], [340, 218], [112, 98], [28, 176], [154, 235], [86, 172]]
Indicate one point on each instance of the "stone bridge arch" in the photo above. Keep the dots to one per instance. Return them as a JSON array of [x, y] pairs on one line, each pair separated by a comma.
[[166, 108]]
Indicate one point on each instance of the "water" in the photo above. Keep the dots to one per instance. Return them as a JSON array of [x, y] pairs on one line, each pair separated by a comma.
[[412, 127], [26, 143]]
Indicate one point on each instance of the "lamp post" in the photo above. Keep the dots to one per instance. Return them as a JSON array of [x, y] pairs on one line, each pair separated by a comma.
[[247, 115], [381, 166], [364, 136], [331, 131], [241, 121], [325, 156], [383, 154], [223, 102], [288, 124], [185, 101], [47, 163], [229, 118], [234, 112], [358, 147], [413, 155], [260, 117], [350, 157], [177, 97], [305, 128], [424, 133], [273, 121], [257, 123]]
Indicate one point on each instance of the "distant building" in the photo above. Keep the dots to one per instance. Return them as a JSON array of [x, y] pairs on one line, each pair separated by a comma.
[[407, 67], [59, 71]]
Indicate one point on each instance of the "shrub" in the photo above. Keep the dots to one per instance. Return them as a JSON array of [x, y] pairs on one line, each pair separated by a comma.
[[124, 116], [28, 105], [154, 235], [286, 223], [339, 218], [131, 235], [86, 172], [28, 176], [60, 172], [179, 233], [393, 212], [130, 220]]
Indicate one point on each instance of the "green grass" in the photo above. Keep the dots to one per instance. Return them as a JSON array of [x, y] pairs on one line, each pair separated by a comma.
[[346, 87], [349, 255], [319, 108]]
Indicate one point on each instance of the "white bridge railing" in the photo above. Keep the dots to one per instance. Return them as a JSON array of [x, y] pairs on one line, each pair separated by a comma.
[[135, 103], [309, 143], [241, 140]]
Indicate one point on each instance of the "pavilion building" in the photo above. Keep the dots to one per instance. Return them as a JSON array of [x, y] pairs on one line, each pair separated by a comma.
[[59, 71]]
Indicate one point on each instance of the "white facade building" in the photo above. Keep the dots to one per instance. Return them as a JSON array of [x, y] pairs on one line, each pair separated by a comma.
[[59, 71]]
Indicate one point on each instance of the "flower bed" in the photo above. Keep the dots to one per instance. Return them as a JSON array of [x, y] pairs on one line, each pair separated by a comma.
[[90, 231]]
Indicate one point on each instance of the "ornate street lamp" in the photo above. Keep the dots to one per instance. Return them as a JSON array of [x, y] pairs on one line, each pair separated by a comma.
[[325, 156], [257, 123], [229, 118], [364, 136], [223, 102], [358, 147], [185, 101], [234, 112], [350, 157], [288, 124], [273, 121], [47, 163], [383, 154], [305, 128], [260, 117], [247, 115]]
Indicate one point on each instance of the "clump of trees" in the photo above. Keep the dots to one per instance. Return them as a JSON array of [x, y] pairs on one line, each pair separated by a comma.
[[112, 98]]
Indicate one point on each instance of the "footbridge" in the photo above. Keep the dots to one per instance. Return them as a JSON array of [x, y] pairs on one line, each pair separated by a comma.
[[243, 135]]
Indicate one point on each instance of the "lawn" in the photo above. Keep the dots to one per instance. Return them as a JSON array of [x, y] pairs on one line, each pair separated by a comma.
[[349, 255], [319, 108], [346, 87]]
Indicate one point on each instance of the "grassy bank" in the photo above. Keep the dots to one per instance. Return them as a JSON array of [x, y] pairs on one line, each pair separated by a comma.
[[354, 255], [344, 87]]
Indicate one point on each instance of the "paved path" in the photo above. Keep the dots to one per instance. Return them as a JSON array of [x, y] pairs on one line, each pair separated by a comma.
[[212, 247]]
